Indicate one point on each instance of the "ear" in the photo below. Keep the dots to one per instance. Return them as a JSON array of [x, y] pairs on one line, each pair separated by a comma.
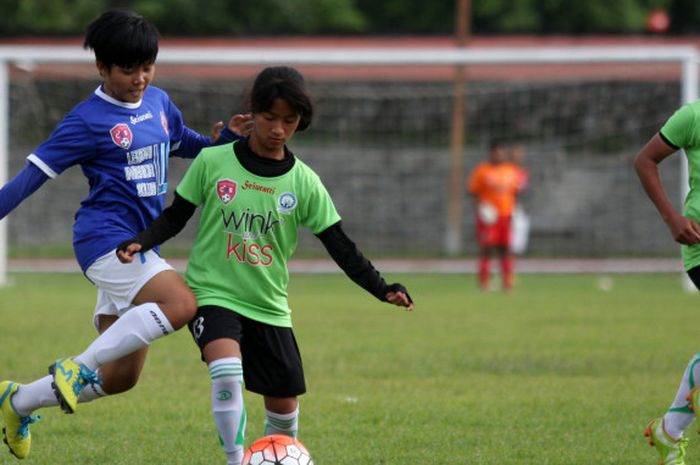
[[101, 68]]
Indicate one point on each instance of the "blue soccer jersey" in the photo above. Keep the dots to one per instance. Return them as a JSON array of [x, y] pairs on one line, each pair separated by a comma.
[[122, 149]]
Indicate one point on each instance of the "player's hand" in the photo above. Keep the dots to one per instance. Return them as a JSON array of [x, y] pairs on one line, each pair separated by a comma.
[[684, 230], [398, 295], [127, 250], [239, 124]]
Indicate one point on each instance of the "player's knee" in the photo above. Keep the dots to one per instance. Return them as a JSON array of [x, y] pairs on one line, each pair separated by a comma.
[[180, 309]]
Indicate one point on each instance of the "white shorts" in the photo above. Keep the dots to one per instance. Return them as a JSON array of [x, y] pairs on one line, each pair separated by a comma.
[[118, 283]]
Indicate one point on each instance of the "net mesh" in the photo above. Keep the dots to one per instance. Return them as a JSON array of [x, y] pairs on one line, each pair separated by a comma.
[[381, 144]]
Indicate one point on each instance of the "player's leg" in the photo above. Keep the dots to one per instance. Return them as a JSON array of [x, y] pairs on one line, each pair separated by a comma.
[[680, 415], [504, 250], [121, 374], [217, 332], [112, 378], [272, 367], [281, 416], [666, 433], [484, 239], [21, 401], [506, 267], [162, 303], [484, 272]]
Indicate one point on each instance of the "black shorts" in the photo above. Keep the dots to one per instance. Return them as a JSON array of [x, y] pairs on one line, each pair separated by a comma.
[[694, 275], [270, 355]]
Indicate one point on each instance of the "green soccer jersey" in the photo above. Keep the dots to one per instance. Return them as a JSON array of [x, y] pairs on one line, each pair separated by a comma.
[[248, 230], [683, 130]]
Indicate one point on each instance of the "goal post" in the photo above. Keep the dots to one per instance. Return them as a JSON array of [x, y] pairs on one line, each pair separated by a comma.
[[346, 58]]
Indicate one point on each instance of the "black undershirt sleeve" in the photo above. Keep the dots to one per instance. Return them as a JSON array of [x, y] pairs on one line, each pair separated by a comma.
[[346, 254], [168, 224]]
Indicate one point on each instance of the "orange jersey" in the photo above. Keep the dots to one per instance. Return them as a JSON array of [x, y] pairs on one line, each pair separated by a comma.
[[496, 184]]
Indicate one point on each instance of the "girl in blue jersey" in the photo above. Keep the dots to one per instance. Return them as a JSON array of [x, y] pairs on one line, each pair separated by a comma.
[[121, 136]]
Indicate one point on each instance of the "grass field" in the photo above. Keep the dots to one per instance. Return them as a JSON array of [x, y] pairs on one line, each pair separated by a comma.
[[558, 372]]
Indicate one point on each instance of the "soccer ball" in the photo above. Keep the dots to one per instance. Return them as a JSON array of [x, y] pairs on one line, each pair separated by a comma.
[[487, 213], [277, 449]]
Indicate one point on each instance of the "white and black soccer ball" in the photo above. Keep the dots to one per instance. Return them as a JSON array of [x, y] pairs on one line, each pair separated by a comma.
[[277, 449]]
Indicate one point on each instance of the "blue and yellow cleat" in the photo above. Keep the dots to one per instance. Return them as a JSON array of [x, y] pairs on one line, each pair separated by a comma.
[[69, 380], [16, 431], [671, 451]]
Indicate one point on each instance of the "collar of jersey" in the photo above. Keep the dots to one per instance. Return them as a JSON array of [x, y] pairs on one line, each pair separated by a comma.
[[101, 94]]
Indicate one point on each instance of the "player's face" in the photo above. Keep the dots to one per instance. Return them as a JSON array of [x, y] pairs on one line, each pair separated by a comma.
[[127, 84], [497, 155], [274, 128]]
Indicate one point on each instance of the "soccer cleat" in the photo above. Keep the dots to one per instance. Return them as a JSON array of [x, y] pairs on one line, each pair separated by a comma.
[[16, 431], [672, 452], [69, 380]]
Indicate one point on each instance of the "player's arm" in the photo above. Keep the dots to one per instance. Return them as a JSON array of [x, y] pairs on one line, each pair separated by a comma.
[[346, 254], [684, 230], [27, 181], [191, 142], [167, 225]]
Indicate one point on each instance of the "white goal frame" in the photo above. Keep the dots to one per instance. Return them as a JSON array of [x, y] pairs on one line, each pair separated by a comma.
[[685, 56]]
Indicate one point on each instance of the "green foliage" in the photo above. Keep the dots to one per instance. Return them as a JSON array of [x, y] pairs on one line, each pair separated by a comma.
[[267, 17], [558, 372], [47, 16], [408, 16], [264, 17]]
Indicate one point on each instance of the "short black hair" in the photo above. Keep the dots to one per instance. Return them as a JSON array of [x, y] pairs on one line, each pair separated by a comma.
[[122, 38], [286, 83]]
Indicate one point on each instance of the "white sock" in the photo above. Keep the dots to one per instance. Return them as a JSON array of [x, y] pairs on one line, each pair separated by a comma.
[[137, 328], [227, 406], [679, 417], [39, 394], [282, 423]]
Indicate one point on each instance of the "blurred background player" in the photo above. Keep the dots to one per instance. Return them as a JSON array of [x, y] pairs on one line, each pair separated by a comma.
[[238, 265], [121, 136], [681, 131], [494, 185], [520, 227]]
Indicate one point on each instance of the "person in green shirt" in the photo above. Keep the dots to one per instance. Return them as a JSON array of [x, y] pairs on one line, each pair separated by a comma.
[[681, 131], [255, 194]]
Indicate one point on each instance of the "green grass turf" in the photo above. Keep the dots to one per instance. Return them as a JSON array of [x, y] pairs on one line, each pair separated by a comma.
[[557, 372]]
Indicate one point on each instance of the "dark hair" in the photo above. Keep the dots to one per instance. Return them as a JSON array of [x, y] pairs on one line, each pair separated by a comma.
[[122, 38], [285, 83]]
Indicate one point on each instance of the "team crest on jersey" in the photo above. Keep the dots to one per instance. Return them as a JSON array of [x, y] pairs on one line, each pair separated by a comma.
[[226, 190], [164, 122], [286, 202], [121, 135]]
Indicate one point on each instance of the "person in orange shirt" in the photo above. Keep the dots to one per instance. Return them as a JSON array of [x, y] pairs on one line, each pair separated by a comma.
[[495, 184]]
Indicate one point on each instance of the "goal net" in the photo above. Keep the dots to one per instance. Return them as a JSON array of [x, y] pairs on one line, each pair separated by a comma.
[[382, 132]]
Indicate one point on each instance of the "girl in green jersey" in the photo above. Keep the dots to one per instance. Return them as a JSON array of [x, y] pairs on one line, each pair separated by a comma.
[[681, 131], [255, 194]]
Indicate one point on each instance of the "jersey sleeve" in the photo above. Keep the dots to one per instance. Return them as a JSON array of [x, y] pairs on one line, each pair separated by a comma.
[[20, 187], [184, 142], [680, 129], [319, 213], [191, 188], [70, 144]]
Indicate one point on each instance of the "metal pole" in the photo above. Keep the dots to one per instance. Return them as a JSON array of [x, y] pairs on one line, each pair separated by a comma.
[[4, 159], [453, 240]]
